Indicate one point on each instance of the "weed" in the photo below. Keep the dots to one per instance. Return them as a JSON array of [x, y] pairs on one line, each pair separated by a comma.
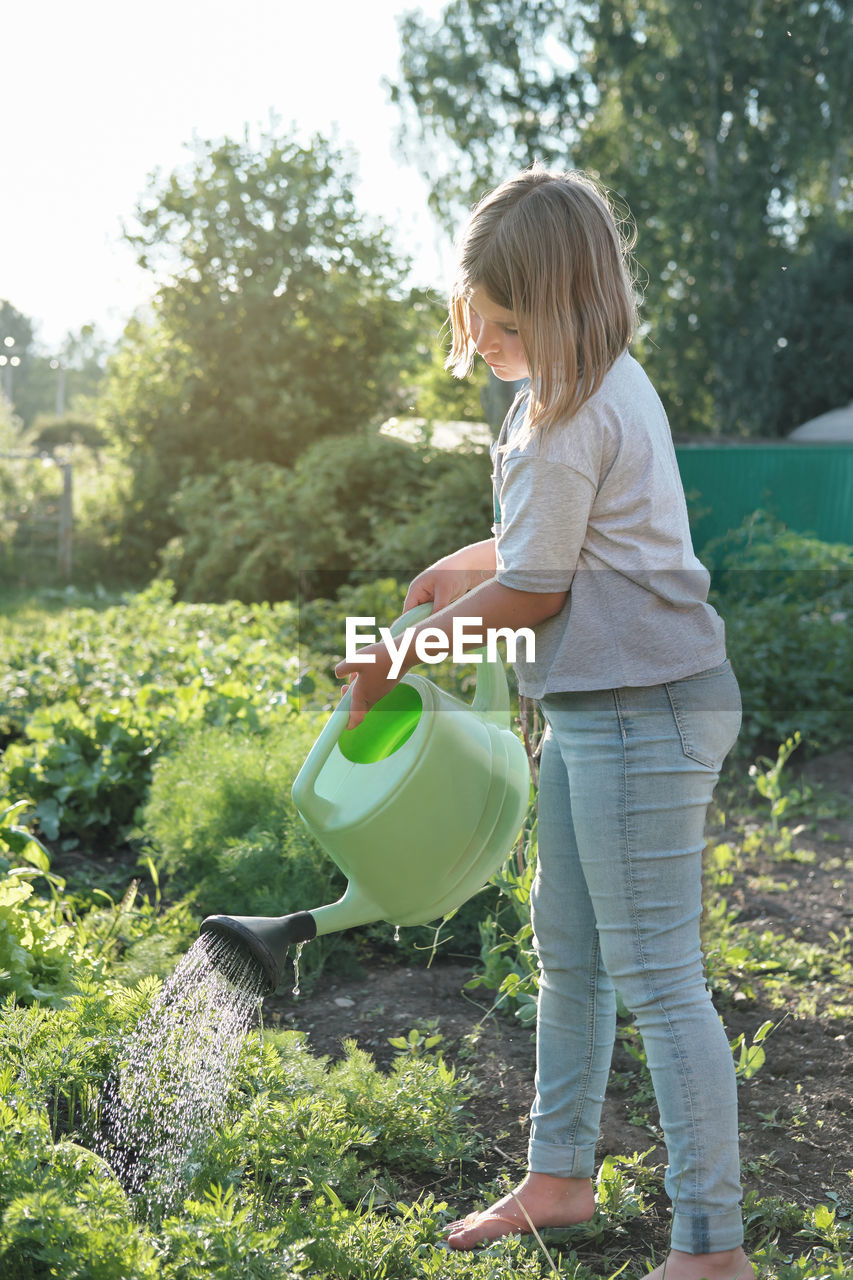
[[751, 1057], [767, 776], [418, 1041]]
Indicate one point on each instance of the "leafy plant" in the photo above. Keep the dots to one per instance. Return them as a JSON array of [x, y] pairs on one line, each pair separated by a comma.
[[751, 1057], [18, 840], [223, 825], [92, 698], [179, 652], [218, 1235], [767, 779], [418, 1041], [508, 961], [36, 952], [787, 600], [86, 773]]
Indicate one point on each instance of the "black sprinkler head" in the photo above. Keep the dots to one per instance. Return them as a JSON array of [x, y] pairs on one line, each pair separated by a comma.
[[265, 939]]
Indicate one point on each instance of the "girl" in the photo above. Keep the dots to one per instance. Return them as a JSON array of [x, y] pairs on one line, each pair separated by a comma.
[[591, 548]]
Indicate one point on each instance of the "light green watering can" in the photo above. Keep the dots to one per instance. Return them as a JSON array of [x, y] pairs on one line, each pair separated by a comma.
[[418, 805]]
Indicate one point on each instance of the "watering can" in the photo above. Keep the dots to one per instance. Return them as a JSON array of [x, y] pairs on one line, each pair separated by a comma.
[[418, 805]]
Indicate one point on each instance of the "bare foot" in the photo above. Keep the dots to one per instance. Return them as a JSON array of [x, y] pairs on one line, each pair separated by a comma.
[[731, 1264], [539, 1201]]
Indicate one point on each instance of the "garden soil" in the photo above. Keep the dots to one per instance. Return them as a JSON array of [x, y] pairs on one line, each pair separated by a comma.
[[796, 1113]]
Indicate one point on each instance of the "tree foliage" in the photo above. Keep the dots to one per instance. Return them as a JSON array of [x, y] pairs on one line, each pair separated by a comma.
[[797, 364], [280, 318], [725, 128], [281, 294], [46, 383]]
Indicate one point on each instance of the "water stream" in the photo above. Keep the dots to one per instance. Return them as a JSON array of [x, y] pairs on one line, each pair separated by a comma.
[[176, 1073], [297, 955]]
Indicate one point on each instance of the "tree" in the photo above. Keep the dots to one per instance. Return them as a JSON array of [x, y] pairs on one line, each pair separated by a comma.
[[489, 78], [42, 383], [284, 298], [724, 127], [280, 318], [16, 340]]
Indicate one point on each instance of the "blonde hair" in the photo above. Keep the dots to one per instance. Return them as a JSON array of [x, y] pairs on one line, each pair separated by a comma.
[[549, 248]]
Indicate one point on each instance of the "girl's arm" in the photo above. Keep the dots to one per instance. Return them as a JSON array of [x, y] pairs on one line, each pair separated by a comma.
[[453, 576], [491, 603]]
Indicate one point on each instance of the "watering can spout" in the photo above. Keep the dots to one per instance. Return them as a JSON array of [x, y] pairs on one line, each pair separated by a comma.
[[264, 939]]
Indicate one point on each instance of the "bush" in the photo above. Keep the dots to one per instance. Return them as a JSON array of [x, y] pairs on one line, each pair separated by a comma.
[[224, 826], [795, 666], [787, 599], [255, 531], [453, 508], [763, 558]]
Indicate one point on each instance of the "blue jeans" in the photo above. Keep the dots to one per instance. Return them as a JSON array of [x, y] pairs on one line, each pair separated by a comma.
[[626, 776]]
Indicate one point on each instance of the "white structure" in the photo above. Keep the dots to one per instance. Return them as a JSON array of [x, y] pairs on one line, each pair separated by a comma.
[[442, 435], [835, 427]]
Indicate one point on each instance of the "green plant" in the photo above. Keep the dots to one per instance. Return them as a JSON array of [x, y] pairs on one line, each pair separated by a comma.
[[86, 773], [624, 1183], [87, 1237], [787, 600], [824, 1229], [295, 1165], [217, 1235], [763, 558], [223, 825], [214, 661], [767, 779], [418, 1041], [36, 944], [414, 1114], [751, 1057], [91, 698], [508, 961], [18, 840]]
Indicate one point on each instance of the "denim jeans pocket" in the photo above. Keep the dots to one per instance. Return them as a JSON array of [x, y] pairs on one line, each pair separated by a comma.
[[707, 712]]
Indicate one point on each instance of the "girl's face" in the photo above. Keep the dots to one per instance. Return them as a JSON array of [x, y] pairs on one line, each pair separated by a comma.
[[496, 337]]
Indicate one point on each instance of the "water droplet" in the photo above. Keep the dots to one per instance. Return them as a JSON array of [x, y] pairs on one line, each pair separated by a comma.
[[396, 933], [296, 958]]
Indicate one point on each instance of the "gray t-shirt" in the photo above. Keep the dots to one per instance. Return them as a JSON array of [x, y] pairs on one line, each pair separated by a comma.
[[595, 506]]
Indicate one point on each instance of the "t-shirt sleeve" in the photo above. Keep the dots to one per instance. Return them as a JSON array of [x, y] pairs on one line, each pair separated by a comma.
[[544, 512]]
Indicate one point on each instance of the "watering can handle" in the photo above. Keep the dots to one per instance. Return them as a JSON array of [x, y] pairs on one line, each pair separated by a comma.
[[491, 701], [337, 722], [491, 696], [411, 617]]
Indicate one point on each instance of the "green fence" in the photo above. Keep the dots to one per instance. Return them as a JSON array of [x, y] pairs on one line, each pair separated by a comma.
[[808, 487]]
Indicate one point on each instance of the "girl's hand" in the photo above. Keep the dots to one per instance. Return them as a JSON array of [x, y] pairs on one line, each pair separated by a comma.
[[367, 682], [453, 576], [443, 584]]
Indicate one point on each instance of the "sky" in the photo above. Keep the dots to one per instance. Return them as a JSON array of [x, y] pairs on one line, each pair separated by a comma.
[[99, 94]]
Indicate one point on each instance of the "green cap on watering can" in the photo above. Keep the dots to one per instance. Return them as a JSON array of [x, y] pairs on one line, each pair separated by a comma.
[[418, 805]]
